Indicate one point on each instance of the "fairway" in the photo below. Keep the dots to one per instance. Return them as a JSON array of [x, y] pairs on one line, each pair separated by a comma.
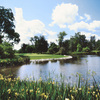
[[40, 56]]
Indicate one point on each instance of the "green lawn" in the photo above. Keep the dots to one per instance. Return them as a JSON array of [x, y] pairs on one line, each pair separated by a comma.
[[40, 56], [95, 51]]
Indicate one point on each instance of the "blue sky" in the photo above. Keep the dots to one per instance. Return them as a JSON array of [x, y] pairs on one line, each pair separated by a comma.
[[48, 18]]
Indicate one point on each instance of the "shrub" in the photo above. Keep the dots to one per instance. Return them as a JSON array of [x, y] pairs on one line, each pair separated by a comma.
[[86, 49], [61, 51], [79, 48], [6, 50], [18, 60]]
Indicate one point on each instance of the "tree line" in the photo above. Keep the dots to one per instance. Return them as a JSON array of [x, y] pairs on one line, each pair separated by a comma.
[[77, 43], [8, 37]]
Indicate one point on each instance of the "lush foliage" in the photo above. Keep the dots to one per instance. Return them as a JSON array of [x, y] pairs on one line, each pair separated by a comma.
[[77, 43], [14, 89], [7, 27], [6, 50], [53, 48], [86, 49], [39, 45], [18, 60]]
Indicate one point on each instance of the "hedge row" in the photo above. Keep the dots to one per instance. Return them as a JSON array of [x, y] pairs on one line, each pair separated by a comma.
[[18, 60]]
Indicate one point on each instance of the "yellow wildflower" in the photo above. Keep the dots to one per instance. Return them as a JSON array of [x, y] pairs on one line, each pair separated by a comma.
[[72, 97], [96, 96], [80, 89], [92, 86], [66, 98], [70, 90], [42, 94], [22, 89], [31, 90], [9, 79], [27, 90], [45, 96], [16, 94], [53, 82], [18, 78], [88, 92], [9, 91]]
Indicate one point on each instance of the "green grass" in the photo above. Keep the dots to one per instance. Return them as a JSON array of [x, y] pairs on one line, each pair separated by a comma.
[[14, 89], [79, 53], [40, 56], [95, 51]]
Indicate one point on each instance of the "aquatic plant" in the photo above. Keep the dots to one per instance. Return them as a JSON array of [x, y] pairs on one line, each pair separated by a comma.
[[16, 89]]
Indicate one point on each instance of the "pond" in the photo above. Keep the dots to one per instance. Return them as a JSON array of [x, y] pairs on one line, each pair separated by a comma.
[[56, 69]]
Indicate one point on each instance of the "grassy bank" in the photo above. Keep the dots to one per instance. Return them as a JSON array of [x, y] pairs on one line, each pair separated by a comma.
[[14, 89], [40, 56], [17, 60], [86, 53]]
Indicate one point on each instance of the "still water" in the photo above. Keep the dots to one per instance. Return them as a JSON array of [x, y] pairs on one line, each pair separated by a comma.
[[55, 69]]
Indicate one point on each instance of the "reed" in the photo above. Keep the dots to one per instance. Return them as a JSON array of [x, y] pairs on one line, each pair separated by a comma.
[[16, 89]]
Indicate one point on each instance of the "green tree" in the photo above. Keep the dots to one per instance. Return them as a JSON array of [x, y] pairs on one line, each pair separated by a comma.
[[86, 49], [61, 36], [40, 43], [79, 48], [98, 45], [32, 40], [6, 50], [61, 51], [53, 48], [77, 39], [7, 27], [92, 42]]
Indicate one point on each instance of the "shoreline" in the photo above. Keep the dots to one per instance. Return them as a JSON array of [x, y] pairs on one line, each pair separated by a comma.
[[51, 59]]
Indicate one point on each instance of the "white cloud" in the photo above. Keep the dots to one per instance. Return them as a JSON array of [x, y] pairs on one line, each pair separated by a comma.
[[88, 35], [28, 29], [81, 18], [87, 17], [83, 25], [63, 14]]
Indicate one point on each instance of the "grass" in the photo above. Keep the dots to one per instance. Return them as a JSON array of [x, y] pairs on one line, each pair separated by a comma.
[[95, 51], [40, 56], [14, 89], [80, 53]]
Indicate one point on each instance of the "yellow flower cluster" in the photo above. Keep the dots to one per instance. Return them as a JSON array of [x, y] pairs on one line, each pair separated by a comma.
[[1, 77], [31, 90], [38, 90], [9, 91], [9, 79], [44, 95], [16, 94]]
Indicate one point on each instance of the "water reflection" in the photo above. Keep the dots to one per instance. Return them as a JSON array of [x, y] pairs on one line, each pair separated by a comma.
[[54, 69]]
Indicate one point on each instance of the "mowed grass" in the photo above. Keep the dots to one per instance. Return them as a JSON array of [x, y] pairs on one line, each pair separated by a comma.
[[40, 56]]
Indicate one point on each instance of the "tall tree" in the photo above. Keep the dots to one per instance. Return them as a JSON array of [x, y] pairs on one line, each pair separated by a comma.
[[40, 43], [7, 27], [92, 42], [53, 48], [61, 36]]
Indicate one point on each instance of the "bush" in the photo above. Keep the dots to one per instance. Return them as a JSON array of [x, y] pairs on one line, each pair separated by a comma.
[[79, 48], [6, 50], [18, 60], [61, 51], [86, 49]]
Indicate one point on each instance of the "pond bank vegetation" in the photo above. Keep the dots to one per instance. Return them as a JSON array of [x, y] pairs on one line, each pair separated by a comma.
[[16, 89], [18, 60]]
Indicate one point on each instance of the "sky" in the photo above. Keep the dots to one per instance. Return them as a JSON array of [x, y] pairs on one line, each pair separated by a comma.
[[49, 17]]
